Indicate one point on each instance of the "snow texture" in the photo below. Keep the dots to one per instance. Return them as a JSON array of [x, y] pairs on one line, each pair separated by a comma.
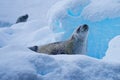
[[5, 24], [12, 9], [26, 34], [113, 52], [20, 63]]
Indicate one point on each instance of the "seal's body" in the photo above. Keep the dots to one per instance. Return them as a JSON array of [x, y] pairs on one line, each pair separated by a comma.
[[22, 18], [77, 44]]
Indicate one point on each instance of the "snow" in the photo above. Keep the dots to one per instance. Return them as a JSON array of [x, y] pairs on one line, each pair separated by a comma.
[[99, 11], [20, 63], [113, 52], [27, 34], [103, 21], [50, 22], [20, 69], [11, 10], [4, 24], [4, 36]]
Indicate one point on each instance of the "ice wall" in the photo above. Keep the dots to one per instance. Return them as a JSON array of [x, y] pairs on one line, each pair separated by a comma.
[[103, 18]]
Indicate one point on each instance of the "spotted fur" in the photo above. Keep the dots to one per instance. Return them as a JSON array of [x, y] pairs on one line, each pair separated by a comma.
[[77, 44]]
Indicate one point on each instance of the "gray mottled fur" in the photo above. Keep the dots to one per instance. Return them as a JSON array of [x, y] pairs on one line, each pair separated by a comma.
[[77, 44]]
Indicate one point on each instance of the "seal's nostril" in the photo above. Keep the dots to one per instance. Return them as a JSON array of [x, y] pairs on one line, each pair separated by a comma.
[[85, 25]]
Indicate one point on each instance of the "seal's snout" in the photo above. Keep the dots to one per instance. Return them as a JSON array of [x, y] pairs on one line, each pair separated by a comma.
[[82, 28], [85, 27]]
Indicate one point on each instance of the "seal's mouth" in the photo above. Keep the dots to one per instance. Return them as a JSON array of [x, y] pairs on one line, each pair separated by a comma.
[[83, 28]]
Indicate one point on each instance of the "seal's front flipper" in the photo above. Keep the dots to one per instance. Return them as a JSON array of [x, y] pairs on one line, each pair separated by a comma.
[[34, 48]]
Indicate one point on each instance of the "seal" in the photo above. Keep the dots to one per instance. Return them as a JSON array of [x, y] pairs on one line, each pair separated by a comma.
[[76, 44], [22, 18]]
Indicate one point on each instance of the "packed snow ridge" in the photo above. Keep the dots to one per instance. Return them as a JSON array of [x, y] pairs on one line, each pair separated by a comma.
[[20, 63]]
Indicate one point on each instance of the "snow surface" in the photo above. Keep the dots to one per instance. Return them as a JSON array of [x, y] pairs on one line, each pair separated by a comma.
[[10, 10], [17, 62], [97, 11], [113, 52], [103, 18], [20, 63], [5, 24], [26, 34]]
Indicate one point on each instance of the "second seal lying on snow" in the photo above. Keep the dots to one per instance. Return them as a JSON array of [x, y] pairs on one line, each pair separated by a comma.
[[77, 44]]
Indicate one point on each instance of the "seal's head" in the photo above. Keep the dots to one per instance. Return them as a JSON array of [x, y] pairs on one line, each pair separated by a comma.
[[81, 32]]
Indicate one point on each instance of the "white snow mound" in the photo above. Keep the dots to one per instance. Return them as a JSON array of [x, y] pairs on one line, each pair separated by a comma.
[[113, 52], [20, 63]]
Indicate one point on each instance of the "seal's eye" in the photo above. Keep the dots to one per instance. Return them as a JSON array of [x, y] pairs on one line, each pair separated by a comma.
[[78, 30]]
